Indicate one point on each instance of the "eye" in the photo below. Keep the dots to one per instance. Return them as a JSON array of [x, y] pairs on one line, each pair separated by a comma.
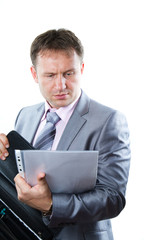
[[69, 74], [51, 75]]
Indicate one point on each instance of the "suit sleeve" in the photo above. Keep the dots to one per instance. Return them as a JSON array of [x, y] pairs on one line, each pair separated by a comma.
[[107, 199]]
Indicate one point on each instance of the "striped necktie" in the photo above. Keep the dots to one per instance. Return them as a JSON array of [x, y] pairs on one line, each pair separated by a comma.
[[46, 136]]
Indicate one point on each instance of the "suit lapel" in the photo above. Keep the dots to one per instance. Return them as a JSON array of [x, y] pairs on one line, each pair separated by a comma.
[[75, 123], [35, 122]]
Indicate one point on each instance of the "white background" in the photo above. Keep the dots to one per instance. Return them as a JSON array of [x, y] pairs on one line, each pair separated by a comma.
[[122, 70]]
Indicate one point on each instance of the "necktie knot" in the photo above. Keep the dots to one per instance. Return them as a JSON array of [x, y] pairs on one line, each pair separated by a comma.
[[52, 117], [46, 137]]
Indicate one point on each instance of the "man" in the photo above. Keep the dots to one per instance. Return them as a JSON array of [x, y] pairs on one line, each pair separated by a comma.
[[57, 58]]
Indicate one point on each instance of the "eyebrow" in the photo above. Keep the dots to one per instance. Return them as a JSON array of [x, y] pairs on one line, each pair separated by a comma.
[[69, 70]]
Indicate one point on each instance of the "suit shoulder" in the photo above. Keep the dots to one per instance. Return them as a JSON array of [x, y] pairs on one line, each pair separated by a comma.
[[32, 107], [96, 106], [28, 111], [105, 112]]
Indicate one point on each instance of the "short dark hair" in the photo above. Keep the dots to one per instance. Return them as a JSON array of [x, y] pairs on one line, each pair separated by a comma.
[[61, 39]]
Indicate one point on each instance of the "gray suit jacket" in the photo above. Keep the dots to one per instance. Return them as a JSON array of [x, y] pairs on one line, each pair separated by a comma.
[[92, 126]]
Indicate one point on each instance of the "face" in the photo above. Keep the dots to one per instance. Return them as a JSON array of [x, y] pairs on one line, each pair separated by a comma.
[[58, 75]]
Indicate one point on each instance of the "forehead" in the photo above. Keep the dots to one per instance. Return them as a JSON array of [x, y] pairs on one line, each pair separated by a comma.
[[57, 54], [57, 60]]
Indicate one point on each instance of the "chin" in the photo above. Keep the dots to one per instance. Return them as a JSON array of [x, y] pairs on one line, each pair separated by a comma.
[[59, 104]]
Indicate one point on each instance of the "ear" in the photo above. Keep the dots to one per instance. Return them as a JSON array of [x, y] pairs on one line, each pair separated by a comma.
[[82, 67], [34, 74]]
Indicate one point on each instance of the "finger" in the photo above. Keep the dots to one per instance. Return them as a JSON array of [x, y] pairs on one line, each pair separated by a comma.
[[21, 183], [22, 188], [3, 145], [17, 177], [3, 151], [4, 139]]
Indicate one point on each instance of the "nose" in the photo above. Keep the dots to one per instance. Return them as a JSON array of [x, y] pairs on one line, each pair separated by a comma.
[[60, 82]]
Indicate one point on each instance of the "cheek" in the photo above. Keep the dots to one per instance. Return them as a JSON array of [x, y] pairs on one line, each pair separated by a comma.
[[73, 84], [45, 87]]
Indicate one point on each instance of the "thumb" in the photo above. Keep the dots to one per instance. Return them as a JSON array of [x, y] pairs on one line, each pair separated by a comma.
[[41, 178]]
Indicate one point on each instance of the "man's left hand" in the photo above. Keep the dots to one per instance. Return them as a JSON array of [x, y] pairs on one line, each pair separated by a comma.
[[38, 197]]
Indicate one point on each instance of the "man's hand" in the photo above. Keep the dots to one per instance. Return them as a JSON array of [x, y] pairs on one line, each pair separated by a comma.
[[4, 144], [38, 197]]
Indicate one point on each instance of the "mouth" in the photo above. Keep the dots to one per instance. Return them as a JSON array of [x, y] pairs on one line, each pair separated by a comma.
[[61, 96]]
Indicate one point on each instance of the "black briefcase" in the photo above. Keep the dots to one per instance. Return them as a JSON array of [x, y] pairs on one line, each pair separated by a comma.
[[17, 219]]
